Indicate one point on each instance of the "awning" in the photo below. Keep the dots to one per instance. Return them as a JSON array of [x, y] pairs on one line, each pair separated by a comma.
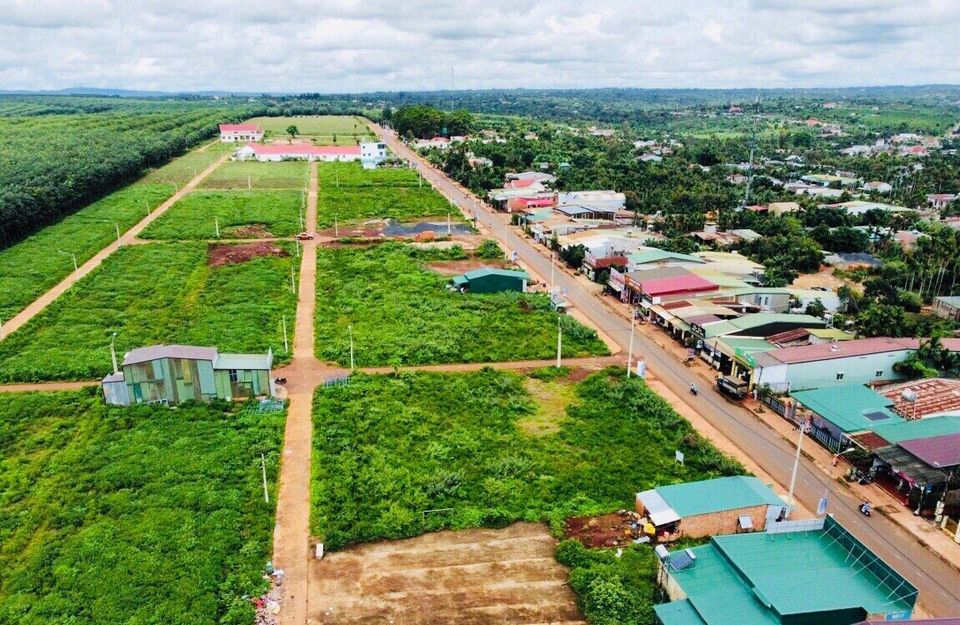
[[657, 508], [909, 467]]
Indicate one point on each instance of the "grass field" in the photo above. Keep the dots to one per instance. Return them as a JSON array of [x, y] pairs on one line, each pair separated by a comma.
[[240, 174], [402, 314], [387, 448], [132, 515], [350, 204], [241, 215], [337, 175], [29, 268], [322, 128], [148, 294], [181, 170]]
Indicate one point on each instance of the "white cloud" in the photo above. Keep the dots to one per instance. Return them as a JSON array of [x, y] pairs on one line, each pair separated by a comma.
[[354, 45]]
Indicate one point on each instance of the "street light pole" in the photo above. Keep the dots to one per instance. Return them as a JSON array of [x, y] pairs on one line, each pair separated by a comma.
[[286, 344], [630, 350], [559, 341], [350, 330], [796, 465], [113, 353]]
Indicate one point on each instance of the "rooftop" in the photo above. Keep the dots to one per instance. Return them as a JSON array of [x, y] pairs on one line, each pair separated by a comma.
[[831, 351], [758, 320], [239, 128], [850, 407], [491, 271], [900, 431], [931, 396], [936, 451], [677, 284], [303, 150], [656, 255], [154, 352], [255, 362], [717, 495]]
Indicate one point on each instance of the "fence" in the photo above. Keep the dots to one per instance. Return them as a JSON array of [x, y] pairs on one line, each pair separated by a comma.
[[951, 527]]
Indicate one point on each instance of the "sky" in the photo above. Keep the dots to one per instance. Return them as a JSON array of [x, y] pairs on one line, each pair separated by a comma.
[[356, 46]]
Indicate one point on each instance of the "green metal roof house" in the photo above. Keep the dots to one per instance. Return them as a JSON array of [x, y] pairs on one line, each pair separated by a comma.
[[803, 573], [176, 373], [849, 407], [489, 280]]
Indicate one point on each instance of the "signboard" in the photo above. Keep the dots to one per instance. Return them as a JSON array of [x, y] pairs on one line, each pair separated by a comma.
[[641, 368], [822, 506], [679, 456], [616, 281], [903, 615]]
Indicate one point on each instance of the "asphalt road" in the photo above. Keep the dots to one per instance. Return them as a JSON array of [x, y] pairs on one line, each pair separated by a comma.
[[938, 582]]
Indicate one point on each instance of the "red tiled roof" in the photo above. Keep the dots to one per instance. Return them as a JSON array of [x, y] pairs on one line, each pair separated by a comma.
[[934, 396], [680, 303], [937, 451], [608, 261], [239, 128], [305, 150], [789, 335], [870, 441], [678, 284], [522, 183]]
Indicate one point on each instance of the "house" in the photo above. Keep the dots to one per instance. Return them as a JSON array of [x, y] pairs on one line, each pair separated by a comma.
[[725, 505], [794, 573], [831, 364], [859, 207], [877, 186], [840, 411], [756, 325], [939, 201], [440, 143], [913, 150], [655, 290], [172, 374], [539, 176], [947, 307], [231, 133], [776, 208], [491, 280], [598, 199], [826, 180], [593, 265], [927, 397], [279, 152], [372, 153], [803, 188]]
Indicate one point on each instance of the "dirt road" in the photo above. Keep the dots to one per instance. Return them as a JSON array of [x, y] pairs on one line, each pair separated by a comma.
[[128, 237]]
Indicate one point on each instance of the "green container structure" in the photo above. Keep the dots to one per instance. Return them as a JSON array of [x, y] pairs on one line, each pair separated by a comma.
[[489, 280]]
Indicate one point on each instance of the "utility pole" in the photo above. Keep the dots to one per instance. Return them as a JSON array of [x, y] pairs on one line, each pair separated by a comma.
[[336, 227], [796, 465], [117, 227], [293, 280], [449, 226], [263, 471], [113, 354], [286, 344], [630, 350], [753, 145], [216, 226], [559, 341], [249, 183], [552, 266], [73, 256], [147, 205], [350, 331]]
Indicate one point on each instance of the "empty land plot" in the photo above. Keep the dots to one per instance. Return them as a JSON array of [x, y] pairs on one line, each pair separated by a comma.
[[403, 314], [337, 175], [181, 170], [469, 577], [351, 204], [132, 515], [36, 264], [156, 293], [239, 214], [387, 448], [321, 127], [256, 175]]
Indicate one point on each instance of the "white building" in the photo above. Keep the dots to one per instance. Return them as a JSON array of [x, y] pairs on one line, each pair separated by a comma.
[[232, 133], [372, 153], [328, 153]]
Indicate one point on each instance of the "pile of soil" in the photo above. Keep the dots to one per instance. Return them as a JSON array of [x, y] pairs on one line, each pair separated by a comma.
[[252, 231], [610, 530], [230, 254]]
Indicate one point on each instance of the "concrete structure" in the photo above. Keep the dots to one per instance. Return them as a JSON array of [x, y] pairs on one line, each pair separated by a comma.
[[279, 152], [877, 186], [232, 133], [928, 397], [831, 364], [372, 153], [859, 207], [947, 307], [176, 373], [805, 573], [489, 280], [726, 505], [940, 201]]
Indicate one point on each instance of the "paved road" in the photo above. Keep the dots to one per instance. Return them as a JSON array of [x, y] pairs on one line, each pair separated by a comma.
[[938, 582]]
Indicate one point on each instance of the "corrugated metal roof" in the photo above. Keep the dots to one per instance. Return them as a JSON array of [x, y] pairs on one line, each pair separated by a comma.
[[722, 493], [937, 451], [489, 271], [153, 352], [933, 396], [657, 508], [757, 320], [921, 428], [678, 613], [256, 362], [909, 467], [847, 406], [678, 284], [654, 255], [846, 349]]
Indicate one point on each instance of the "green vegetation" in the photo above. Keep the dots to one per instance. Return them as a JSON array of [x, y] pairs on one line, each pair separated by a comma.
[[241, 215], [148, 294], [181, 170], [257, 175], [427, 121], [132, 515], [354, 175], [348, 204], [30, 267], [313, 126], [403, 314], [60, 158], [389, 448]]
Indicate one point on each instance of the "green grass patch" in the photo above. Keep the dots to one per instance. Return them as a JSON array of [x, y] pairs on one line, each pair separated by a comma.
[[339, 175], [345, 126], [132, 515], [241, 215], [399, 203], [31, 267], [257, 175], [403, 314], [389, 448], [181, 170], [148, 294]]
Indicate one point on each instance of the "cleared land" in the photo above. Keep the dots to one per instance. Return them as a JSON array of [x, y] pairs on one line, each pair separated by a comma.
[[139, 515], [403, 314], [157, 293], [321, 128], [181, 170], [389, 448], [354, 175], [471, 577], [398, 203], [256, 175], [240, 214]]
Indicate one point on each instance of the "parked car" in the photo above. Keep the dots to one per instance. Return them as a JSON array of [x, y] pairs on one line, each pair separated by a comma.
[[732, 387], [305, 236]]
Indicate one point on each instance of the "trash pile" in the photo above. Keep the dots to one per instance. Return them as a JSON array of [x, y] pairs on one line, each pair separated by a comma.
[[618, 529], [268, 605]]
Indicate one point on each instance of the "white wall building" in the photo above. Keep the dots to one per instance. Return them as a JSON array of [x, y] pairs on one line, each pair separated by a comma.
[[232, 133]]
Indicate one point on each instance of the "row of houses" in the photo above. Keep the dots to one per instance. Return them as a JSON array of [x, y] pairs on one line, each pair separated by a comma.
[[369, 153]]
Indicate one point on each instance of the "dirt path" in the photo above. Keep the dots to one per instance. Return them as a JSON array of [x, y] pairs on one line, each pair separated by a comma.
[[517, 365], [47, 387], [127, 238]]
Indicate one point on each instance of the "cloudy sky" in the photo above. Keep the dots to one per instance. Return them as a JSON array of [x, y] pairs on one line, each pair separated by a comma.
[[353, 45]]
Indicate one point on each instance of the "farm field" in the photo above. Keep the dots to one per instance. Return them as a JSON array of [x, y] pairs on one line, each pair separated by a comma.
[[240, 214], [323, 128], [403, 314], [479, 576], [240, 174], [388, 447], [158, 293], [339, 175], [132, 515], [398, 203], [32, 266], [181, 170]]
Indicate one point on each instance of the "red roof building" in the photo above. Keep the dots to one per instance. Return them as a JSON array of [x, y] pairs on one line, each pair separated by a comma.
[[232, 133], [923, 398], [279, 152], [657, 288], [937, 451]]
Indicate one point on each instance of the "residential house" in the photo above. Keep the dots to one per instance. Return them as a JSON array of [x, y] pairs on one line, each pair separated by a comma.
[[927, 397], [947, 307], [539, 176], [859, 207], [280, 152], [826, 180], [796, 572], [725, 505], [172, 374], [877, 186], [939, 201], [232, 133], [803, 188], [440, 143], [372, 153]]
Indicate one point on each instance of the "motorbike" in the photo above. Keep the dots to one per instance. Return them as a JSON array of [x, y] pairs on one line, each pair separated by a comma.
[[865, 509], [693, 390], [280, 380]]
